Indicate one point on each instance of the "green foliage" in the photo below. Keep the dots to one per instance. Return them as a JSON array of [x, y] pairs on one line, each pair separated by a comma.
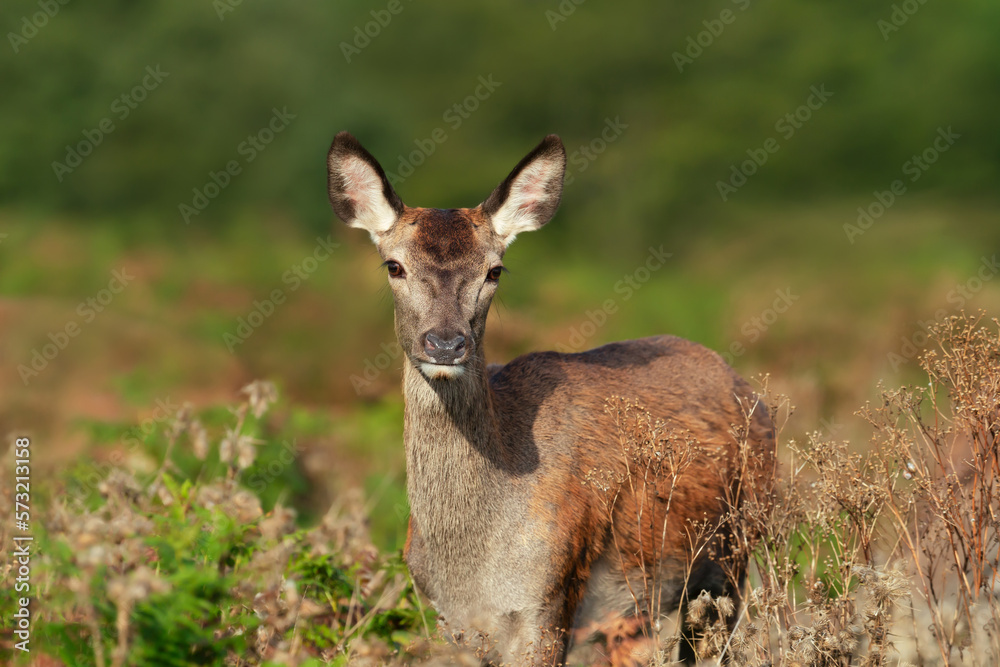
[[687, 123], [67, 641], [179, 627], [180, 565], [322, 572]]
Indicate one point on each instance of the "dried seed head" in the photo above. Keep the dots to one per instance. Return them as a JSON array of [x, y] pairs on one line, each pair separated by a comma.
[[228, 446], [137, 585], [199, 440], [120, 483], [698, 608], [724, 605], [846, 642], [211, 495], [245, 506], [94, 556], [261, 395], [181, 421], [278, 523], [291, 593], [163, 493], [246, 451]]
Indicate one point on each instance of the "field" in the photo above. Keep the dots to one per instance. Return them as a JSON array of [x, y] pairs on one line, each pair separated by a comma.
[[199, 377], [179, 530]]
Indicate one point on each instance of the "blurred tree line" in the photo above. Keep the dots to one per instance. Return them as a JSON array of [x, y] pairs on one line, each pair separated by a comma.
[[656, 102]]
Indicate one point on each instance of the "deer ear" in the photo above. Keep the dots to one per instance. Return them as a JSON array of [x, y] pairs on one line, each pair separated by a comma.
[[359, 190], [529, 196]]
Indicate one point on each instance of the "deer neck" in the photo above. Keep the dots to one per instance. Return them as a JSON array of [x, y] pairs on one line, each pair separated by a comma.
[[454, 458]]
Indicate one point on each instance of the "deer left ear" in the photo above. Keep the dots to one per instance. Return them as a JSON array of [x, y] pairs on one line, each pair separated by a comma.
[[529, 196]]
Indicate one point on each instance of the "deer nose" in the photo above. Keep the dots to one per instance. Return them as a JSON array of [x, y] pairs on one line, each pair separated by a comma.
[[444, 350]]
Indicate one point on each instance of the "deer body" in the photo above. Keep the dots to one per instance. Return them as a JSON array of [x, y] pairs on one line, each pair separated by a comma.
[[505, 537]]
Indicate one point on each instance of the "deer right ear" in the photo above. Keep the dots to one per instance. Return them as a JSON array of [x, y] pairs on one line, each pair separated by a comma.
[[359, 190]]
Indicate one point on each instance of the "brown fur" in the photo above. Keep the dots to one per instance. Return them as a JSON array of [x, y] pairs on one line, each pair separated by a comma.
[[505, 537]]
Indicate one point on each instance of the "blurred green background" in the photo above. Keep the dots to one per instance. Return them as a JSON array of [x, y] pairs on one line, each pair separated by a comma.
[[117, 115]]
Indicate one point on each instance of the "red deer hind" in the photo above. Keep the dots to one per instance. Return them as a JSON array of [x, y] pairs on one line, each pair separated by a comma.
[[505, 537]]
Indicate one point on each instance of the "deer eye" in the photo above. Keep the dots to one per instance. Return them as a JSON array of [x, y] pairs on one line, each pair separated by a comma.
[[494, 274], [395, 269]]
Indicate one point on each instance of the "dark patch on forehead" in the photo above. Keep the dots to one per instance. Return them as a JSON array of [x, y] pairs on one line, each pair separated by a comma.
[[445, 235]]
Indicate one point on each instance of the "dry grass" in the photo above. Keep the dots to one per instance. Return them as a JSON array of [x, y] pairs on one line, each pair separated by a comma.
[[862, 555], [877, 554]]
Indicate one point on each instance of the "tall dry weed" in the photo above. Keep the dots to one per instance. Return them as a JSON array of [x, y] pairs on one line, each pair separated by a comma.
[[886, 553]]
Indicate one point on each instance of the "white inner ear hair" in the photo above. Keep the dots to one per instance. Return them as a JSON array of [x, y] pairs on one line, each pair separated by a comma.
[[363, 185], [528, 191]]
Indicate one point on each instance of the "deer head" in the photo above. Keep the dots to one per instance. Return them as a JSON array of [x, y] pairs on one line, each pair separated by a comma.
[[443, 265]]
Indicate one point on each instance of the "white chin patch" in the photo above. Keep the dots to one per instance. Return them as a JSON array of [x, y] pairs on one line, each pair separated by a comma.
[[439, 372]]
